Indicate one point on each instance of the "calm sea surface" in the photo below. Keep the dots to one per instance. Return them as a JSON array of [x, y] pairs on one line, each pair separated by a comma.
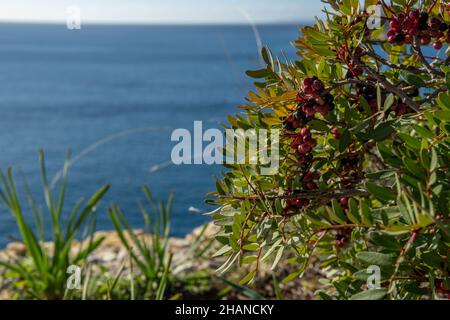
[[113, 95]]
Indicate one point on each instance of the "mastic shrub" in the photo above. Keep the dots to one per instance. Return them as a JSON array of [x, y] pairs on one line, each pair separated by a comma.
[[363, 183]]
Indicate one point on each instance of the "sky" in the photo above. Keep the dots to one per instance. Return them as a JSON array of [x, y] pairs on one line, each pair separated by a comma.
[[161, 11]]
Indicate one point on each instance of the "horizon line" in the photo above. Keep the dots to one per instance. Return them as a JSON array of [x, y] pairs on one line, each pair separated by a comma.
[[181, 23]]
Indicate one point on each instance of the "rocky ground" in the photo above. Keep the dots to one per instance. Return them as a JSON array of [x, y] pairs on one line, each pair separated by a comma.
[[111, 254]]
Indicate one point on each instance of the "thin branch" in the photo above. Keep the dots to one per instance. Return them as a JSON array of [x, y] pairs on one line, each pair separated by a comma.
[[392, 88], [327, 194], [433, 72], [394, 65], [434, 95]]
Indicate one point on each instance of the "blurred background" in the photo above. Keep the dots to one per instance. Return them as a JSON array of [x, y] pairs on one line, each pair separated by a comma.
[[113, 90]]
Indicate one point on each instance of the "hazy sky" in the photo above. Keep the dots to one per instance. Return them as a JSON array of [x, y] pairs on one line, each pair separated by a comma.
[[162, 11]]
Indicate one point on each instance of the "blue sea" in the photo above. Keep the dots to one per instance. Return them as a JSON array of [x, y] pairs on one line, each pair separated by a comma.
[[112, 95]]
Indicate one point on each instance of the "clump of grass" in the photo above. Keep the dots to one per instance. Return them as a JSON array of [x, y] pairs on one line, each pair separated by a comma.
[[150, 252], [43, 274]]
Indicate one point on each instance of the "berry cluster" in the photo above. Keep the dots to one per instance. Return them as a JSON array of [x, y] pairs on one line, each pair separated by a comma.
[[293, 205], [314, 98], [311, 100], [404, 27], [303, 144], [309, 183], [309, 180]]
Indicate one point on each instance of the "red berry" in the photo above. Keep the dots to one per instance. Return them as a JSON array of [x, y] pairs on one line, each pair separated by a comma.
[[322, 109], [309, 111], [312, 143], [305, 132], [401, 17], [344, 202], [304, 148], [408, 39], [394, 25], [300, 157], [307, 82], [425, 41], [317, 85], [311, 186], [308, 177], [307, 139], [437, 45], [414, 14], [308, 90], [336, 134]]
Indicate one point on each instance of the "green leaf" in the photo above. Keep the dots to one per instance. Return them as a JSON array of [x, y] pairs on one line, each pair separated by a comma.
[[249, 259], [443, 115], [366, 213], [381, 193], [345, 140], [224, 250], [424, 132], [389, 101], [261, 73], [338, 214], [414, 168], [380, 133], [352, 213], [251, 247], [413, 79], [376, 258], [249, 277], [444, 100], [410, 141], [374, 294], [379, 175]]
